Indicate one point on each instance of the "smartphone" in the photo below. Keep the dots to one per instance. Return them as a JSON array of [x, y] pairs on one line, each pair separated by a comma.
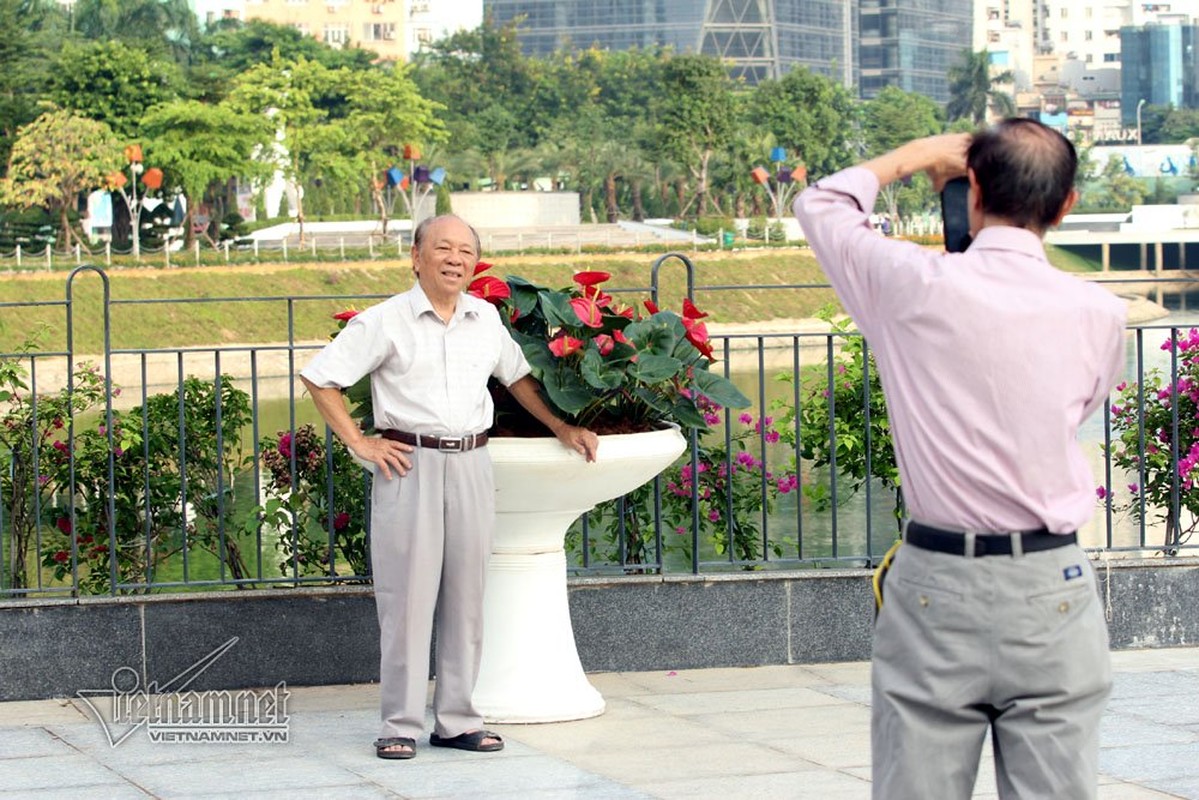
[[955, 216]]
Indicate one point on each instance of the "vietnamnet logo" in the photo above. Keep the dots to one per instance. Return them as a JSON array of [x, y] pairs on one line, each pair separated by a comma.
[[172, 714]]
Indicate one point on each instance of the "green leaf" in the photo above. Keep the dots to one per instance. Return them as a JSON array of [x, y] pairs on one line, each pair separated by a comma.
[[719, 390], [650, 368], [602, 373]]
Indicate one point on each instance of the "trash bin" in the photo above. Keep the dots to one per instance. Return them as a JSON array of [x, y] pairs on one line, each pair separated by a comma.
[[728, 238]]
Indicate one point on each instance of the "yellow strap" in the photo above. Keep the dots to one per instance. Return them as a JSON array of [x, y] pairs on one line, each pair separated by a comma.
[[880, 571]]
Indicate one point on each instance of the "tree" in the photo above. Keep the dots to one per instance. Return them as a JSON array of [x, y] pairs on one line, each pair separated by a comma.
[[28, 35], [1180, 125], [695, 116], [197, 144], [890, 119], [112, 82], [164, 28], [810, 116], [56, 158], [309, 144], [974, 90], [384, 109]]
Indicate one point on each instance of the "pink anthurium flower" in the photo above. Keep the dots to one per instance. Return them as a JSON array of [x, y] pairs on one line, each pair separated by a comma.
[[563, 345], [605, 343], [601, 299], [588, 311], [482, 266], [346, 316]]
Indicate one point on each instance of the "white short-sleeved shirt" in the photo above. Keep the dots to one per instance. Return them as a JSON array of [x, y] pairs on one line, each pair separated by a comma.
[[427, 376]]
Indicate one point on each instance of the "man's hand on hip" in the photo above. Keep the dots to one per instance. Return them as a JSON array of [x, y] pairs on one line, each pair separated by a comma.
[[385, 454]]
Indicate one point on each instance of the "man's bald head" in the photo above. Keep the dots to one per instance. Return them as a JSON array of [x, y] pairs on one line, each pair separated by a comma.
[[1025, 172]]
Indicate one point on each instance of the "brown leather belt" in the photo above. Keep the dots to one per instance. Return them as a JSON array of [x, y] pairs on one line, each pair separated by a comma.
[[446, 444]]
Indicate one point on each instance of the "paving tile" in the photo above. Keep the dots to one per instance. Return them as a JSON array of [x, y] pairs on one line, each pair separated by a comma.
[[684, 761], [423, 777], [1129, 791], [237, 774], [39, 712], [26, 742], [60, 772], [739, 701], [803, 785], [1150, 763]]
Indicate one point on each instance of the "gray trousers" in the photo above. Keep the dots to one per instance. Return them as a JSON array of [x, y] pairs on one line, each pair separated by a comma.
[[1017, 644], [431, 535]]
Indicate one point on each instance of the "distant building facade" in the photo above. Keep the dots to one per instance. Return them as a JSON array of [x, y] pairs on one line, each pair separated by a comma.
[[912, 44], [1161, 67], [761, 39]]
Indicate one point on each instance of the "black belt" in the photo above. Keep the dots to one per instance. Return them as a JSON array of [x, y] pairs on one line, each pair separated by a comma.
[[927, 537], [446, 444]]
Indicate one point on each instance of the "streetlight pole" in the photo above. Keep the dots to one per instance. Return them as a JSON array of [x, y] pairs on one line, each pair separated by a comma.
[[1140, 103]]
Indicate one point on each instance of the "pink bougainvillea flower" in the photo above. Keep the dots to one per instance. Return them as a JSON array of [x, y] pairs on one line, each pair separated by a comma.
[[482, 266], [690, 311], [62, 556], [591, 277], [64, 525], [564, 345], [1100, 492], [605, 343], [588, 311], [489, 288], [340, 521], [285, 445], [345, 316]]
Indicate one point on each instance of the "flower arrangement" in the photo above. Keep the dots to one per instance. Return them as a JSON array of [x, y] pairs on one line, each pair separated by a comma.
[[1156, 427], [602, 364]]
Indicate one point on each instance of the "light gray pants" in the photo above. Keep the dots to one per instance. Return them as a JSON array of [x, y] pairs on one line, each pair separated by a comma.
[[431, 535], [1015, 643]]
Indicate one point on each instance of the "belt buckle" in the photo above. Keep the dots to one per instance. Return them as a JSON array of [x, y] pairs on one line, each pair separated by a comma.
[[451, 444]]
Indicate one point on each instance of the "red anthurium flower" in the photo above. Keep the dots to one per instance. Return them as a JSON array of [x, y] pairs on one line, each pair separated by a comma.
[[591, 278], [697, 334], [482, 266], [624, 311], [588, 311], [489, 288], [651, 306], [620, 337], [515, 315], [347, 315], [690, 311], [601, 299], [564, 345], [605, 343]]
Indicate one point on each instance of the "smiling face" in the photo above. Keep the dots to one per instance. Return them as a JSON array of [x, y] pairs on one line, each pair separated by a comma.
[[444, 261]]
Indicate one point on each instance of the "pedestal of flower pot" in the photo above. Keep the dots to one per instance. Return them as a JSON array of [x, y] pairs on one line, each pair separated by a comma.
[[530, 670]]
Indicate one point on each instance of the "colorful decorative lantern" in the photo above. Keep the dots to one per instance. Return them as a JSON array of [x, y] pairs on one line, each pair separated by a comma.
[[759, 175], [133, 153], [421, 174], [778, 154], [437, 175], [394, 176], [153, 178], [411, 152]]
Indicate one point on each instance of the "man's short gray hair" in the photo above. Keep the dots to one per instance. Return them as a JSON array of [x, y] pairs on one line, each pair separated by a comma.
[[418, 234]]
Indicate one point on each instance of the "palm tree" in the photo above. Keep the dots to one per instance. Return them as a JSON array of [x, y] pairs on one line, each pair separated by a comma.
[[974, 90]]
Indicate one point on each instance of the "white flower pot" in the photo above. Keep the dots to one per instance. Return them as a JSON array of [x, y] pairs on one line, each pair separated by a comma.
[[530, 670]]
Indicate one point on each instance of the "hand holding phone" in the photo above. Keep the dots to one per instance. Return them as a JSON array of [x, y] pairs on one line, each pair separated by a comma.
[[955, 215]]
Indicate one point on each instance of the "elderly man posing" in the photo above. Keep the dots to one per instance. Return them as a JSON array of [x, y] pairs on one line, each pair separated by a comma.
[[990, 360], [430, 352]]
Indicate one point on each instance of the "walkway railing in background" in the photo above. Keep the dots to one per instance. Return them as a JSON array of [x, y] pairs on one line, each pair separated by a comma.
[[186, 468]]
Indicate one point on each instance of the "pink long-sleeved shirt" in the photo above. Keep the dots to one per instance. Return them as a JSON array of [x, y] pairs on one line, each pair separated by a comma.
[[989, 359]]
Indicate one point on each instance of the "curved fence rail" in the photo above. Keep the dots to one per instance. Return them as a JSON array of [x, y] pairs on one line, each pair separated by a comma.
[[185, 468]]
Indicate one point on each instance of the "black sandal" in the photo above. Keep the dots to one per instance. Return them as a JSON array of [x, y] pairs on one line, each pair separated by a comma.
[[381, 746], [472, 741]]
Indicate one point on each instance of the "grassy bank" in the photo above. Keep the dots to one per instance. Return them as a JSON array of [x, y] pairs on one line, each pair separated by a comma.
[[249, 304]]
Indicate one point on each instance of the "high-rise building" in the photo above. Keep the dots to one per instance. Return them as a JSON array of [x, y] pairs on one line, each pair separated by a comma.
[[1160, 67], [912, 44], [760, 39]]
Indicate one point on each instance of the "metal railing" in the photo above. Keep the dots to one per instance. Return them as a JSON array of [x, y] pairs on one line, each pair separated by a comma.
[[186, 468]]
